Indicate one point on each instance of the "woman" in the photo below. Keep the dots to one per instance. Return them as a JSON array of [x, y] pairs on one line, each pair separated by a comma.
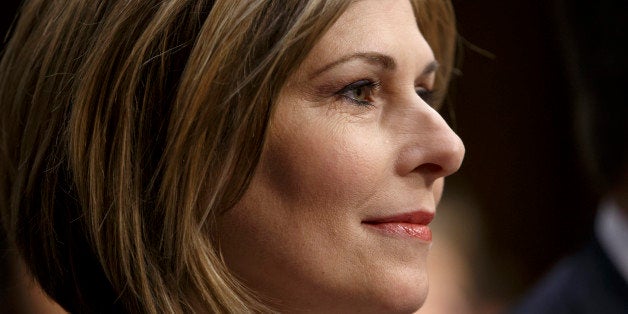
[[228, 156]]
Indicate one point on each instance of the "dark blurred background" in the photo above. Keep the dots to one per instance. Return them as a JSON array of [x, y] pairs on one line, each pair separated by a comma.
[[523, 69], [513, 100]]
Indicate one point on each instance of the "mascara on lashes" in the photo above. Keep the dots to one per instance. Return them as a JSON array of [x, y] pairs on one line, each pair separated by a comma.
[[368, 86]]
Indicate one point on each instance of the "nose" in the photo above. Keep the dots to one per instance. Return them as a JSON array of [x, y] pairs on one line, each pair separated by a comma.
[[432, 148]]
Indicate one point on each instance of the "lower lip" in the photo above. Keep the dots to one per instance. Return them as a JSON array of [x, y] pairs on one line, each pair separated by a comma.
[[402, 229]]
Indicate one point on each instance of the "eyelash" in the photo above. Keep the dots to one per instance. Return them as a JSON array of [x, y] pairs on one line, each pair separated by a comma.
[[370, 86], [426, 94]]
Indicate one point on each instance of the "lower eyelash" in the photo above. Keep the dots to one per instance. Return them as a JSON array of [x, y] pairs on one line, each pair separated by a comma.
[[427, 96], [357, 102]]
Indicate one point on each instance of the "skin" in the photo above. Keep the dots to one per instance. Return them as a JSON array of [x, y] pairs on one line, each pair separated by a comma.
[[297, 236]]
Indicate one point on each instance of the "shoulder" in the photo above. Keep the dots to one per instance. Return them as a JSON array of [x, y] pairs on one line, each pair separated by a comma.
[[586, 282]]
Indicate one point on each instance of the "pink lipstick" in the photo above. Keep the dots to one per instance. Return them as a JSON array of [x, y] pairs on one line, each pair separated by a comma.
[[413, 224]]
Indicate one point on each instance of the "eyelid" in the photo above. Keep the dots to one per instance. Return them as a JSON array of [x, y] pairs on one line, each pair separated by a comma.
[[358, 84]]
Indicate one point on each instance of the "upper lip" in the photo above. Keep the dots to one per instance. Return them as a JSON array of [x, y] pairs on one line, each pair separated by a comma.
[[419, 217]]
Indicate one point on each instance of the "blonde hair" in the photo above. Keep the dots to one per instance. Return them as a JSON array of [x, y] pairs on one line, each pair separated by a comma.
[[129, 126]]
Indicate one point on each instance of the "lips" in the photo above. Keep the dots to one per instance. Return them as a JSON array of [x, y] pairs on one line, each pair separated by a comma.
[[413, 225]]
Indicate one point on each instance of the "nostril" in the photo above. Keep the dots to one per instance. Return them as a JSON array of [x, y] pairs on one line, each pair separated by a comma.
[[429, 168]]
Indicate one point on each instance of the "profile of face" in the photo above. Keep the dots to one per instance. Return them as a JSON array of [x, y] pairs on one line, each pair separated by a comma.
[[335, 217]]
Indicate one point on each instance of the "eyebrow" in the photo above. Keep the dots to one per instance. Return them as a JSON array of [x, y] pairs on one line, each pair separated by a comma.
[[384, 61]]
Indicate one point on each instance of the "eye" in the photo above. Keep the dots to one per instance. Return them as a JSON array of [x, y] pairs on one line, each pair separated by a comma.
[[426, 95], [360, 92]]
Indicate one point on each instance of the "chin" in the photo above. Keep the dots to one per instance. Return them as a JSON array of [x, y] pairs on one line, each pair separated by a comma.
[[407, 295], [408, 303]]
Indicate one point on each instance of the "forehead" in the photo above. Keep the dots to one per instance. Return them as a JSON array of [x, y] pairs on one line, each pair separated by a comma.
[[388, 27]]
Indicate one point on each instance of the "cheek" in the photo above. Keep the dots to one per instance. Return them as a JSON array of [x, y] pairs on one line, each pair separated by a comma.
[[312, 165], [439, 185]]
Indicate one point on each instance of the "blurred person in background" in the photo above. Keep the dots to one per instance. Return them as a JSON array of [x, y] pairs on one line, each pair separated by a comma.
[[452, 262], [595, 280], [459, 265]]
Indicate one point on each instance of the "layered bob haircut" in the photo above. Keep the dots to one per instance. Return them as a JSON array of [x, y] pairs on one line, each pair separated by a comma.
[[127, 127]]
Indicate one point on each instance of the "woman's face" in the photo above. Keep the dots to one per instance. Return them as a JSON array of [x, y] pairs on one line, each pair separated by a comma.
[[335, 218]]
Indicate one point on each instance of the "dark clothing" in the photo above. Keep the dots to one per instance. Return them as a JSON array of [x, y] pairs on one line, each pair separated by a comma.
[[584, 283]]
